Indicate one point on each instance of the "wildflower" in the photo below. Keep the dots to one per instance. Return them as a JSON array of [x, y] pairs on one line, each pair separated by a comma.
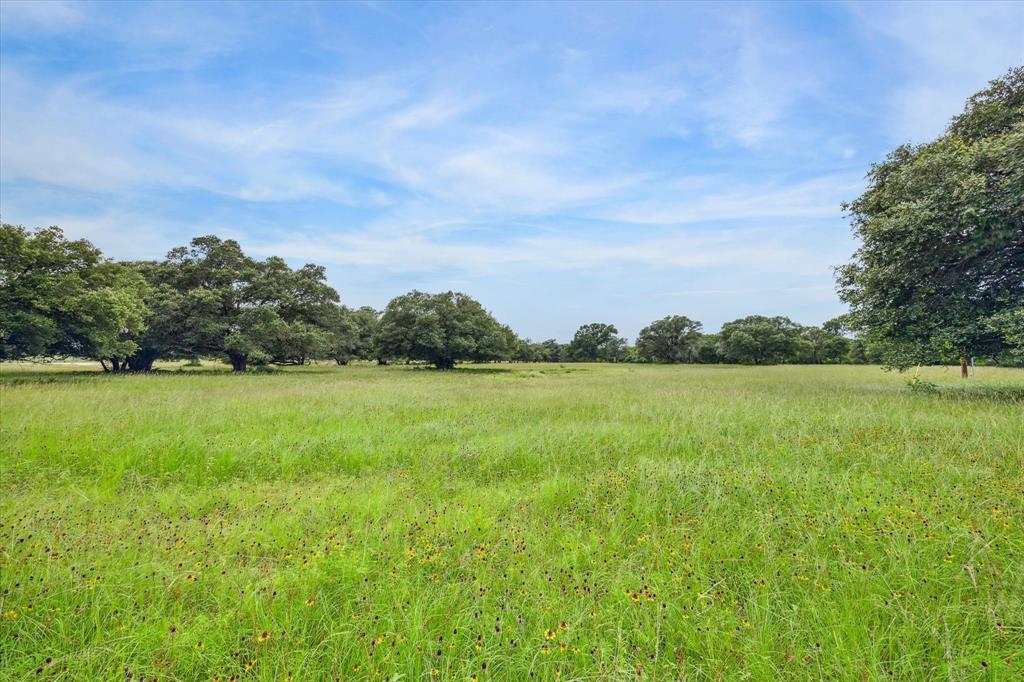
[[310, 601], [549, 634], [264, 636]]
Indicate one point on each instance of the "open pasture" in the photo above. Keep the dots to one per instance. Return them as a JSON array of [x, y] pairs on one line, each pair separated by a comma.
[[509, 522]]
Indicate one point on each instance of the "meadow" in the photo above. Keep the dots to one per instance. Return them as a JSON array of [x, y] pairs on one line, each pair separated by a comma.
[[509, 522]]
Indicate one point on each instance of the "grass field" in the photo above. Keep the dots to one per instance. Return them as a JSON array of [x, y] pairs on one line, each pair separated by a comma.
[[510, 521]]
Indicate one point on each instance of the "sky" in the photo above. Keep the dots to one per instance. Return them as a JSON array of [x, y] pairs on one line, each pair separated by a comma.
[[562, 163]]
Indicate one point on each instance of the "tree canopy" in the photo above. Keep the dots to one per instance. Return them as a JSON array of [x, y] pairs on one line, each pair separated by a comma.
[[441, 329], [759, 340], [209, 298], [597, 342], [61, 297], [940, 269], [671, 339]]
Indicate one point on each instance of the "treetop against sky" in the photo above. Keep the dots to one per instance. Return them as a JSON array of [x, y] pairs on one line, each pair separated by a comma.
[[557, 161]]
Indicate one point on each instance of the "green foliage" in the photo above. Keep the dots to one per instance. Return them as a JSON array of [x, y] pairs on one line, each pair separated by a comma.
[[819, 346], [597, 342], [759, 340], [441, 329], [254, 312], [921, 386], [367, 321], [341, 335], [1009, 324], [61, 298], [553, 351], [941, 264], [669, 340], [706, 351]]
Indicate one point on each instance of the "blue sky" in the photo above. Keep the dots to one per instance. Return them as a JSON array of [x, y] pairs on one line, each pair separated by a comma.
[[563, 163]]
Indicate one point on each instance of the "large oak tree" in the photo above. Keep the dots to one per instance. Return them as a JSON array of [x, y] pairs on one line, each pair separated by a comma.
[[940, 270], [61, 298], [670, 339], [441, 329]]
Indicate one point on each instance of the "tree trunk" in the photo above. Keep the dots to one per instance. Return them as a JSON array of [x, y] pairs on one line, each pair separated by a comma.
[[963, 367], [141, 361], [103, 364], [238, 362]]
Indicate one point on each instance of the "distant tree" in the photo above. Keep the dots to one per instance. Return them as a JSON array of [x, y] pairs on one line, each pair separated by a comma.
[[254, 312], [525, 350], [166, 318], [759, 340], [553, 351], [670, 339], [941, 225], [597, 342], [857, 353], [441, 329], [822, 347], [837, 325], [706, 350], [341, 342], [366, 321], [62, 298]]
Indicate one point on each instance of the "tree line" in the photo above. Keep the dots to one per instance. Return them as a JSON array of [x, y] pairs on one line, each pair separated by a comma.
[[938, 277], [62, 298]]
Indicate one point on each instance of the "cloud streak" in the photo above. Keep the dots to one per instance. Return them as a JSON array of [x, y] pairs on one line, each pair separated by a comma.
[[672, 148]]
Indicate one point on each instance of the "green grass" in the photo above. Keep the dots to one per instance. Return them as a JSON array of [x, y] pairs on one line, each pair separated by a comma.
[[581, 522]]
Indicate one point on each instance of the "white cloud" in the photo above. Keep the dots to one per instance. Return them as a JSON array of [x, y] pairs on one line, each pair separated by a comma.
[[419, 252], [633, 93], [53, 15], [763, 75], [950, 51], [808, 199]]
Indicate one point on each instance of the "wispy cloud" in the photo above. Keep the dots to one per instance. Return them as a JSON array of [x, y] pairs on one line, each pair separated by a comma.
[[818, 197], [949, 51], [427, 252], [763, 77], [55, 15], [670, 147]]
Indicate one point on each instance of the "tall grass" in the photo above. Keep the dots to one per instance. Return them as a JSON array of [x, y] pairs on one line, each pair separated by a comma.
[[503, 522]]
